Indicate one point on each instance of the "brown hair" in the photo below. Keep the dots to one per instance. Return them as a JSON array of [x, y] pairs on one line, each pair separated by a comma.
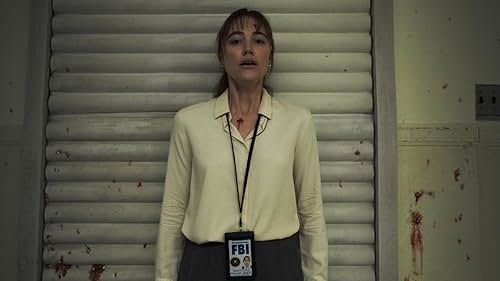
[[237, 18]]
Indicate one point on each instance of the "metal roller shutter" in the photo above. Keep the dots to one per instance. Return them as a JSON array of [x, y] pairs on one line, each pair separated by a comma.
[[122, 68]]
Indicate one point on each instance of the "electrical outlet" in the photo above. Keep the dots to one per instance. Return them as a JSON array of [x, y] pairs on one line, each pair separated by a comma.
[[487, 102]]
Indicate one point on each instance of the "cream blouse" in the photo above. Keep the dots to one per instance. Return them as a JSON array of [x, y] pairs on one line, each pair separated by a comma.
[[283, 192]]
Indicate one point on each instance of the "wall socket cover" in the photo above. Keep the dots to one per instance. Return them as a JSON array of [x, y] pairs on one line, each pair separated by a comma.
[[487, 102]]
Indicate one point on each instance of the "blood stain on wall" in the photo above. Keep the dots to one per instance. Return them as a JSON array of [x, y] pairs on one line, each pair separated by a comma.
[[456, 174], [96, 271], [87, 249], [416, 240], [61, 268], [419, 194]]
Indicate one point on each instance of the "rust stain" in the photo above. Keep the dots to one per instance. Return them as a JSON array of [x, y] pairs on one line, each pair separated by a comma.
[[416, 240], [96, 271], [61, 268], [456, 174]]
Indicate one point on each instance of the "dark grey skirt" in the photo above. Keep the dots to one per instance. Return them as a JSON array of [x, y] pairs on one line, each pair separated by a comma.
[[276, 260]]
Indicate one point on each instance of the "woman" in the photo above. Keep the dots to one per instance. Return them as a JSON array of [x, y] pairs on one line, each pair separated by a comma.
[[242, 176]]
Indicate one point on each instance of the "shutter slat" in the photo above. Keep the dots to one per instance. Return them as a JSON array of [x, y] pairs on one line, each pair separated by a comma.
[[158, 151], [351, 255], [351, 273], [209, 23], [350, 234], [138, 172], [358, 213], [204, 62], [153, 191], [137, 233], [146, 273], [137, 254], [76, 103], [111, 273], [106, 191], [108, 254], [204, 43], [342, 191], [155, 82], [155, 171], [109, 212], [102, 212], [195, 6], [122, 233], [125, 127]]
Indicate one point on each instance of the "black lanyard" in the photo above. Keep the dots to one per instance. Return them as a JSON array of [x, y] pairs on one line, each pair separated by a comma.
[[247, 169]]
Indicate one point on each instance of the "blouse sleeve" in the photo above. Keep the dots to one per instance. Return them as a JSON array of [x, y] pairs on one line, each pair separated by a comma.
[[312, 231], [170, 241]]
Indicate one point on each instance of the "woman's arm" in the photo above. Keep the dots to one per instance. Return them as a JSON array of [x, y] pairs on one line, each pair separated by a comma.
[[169, 247], [313, 239]]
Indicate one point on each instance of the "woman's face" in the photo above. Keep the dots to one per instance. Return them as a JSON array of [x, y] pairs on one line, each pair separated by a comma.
[[246, 53]]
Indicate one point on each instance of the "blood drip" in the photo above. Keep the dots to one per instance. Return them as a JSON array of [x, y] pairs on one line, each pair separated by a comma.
[[416, 239]]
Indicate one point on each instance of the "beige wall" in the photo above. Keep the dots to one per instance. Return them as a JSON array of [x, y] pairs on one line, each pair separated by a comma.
[[442, 49]]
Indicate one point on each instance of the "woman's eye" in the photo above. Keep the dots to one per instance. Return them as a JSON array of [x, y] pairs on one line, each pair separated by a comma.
[[234, 41], [260, 40]]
